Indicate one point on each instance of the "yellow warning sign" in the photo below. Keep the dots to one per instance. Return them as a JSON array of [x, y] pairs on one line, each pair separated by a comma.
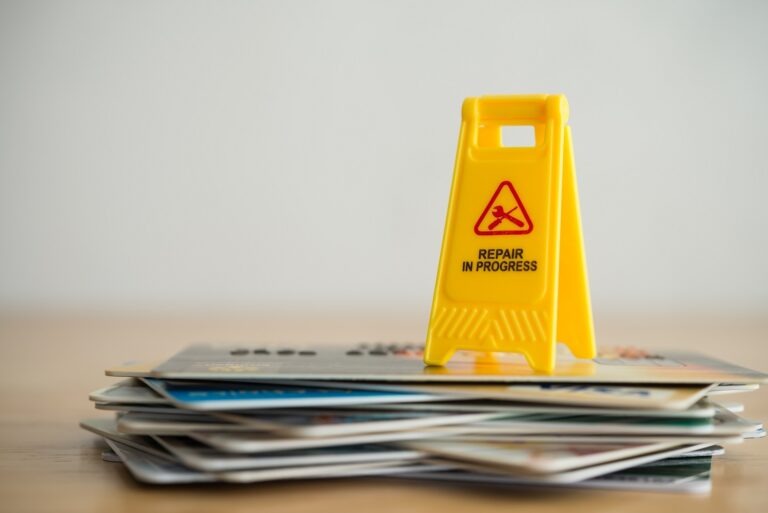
[[512, 272]]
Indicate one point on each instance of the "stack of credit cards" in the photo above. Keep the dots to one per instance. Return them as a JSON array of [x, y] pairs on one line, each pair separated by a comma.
[[629, 419]]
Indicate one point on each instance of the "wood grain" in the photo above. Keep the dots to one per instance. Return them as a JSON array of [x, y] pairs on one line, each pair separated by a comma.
[[50, 363]]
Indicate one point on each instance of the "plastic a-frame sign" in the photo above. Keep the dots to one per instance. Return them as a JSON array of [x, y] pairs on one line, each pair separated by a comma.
[[512, 274]]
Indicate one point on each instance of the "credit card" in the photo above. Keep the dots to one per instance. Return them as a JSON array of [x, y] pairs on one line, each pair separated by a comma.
[[688, 477], [250, 442], [148, 468], [107, 428], [201, 457], [346, 423], [724, 423], [174, 424], [403, 362], [535, 457], [129, 391], [733, 388], [195, 395], [179, 449], [702, 409], [638, 397], [294, 423], [581, 474]]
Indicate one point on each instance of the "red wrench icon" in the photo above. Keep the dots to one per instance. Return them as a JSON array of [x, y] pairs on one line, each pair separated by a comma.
[[500, 215]]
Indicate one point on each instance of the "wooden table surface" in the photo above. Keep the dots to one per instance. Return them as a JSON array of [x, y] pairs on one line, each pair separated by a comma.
[[50, 364]]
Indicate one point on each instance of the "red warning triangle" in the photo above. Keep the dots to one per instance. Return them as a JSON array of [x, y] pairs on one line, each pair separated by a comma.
[[504, 214]]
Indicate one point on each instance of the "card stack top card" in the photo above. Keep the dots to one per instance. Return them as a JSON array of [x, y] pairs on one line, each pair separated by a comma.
[[403, 362]]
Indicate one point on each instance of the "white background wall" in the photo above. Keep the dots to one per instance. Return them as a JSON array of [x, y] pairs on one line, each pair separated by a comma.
[[276, 155]]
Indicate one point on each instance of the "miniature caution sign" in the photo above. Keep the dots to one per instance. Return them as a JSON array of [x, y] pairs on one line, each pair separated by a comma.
[[512, 272]]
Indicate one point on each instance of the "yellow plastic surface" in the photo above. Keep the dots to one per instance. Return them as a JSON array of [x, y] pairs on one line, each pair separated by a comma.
[[512, 272]]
